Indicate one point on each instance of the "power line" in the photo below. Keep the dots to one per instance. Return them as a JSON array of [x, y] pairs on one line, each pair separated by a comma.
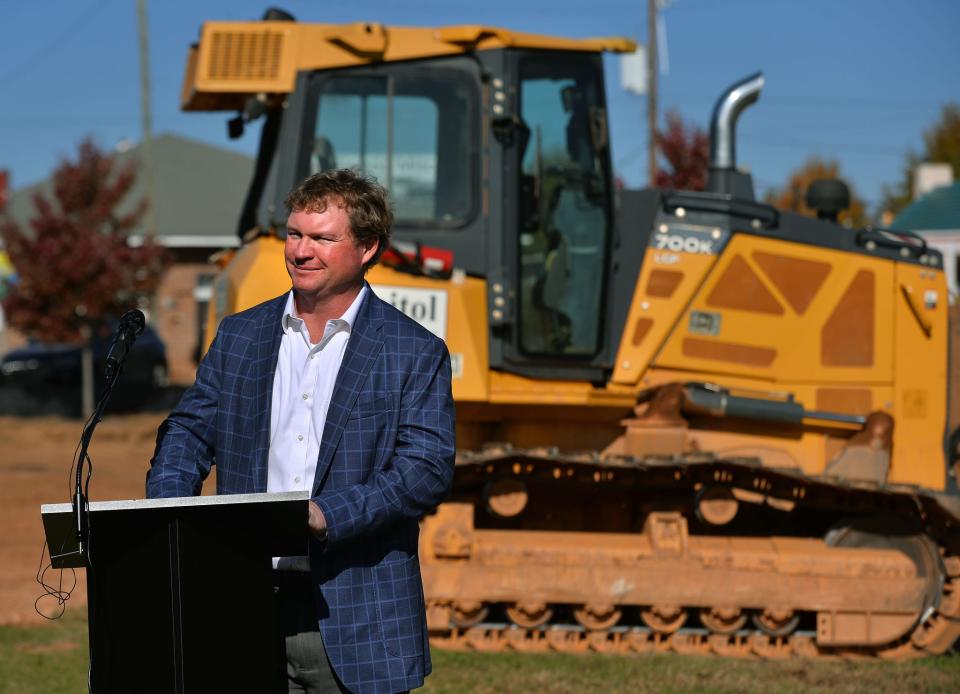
[[814, 144], [819, 102], [792, 143], [70, 31], [72, 121]]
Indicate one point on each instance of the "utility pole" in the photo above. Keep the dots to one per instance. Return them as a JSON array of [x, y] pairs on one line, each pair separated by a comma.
[[147, 144], [146, 159], [652, 69]]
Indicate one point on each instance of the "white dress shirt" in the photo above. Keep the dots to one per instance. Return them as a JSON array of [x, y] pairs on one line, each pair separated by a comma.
[[302, 389]]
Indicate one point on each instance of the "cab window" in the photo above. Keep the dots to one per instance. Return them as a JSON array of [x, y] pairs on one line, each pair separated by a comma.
[[411, 134]]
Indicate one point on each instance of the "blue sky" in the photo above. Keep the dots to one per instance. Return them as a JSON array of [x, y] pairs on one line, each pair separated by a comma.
[[854, 80]]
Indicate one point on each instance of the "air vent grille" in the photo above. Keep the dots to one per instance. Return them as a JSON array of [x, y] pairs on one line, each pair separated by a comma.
[[245, 55]]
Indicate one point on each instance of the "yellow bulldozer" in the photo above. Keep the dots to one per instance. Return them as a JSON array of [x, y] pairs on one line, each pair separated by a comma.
[[687, 421]]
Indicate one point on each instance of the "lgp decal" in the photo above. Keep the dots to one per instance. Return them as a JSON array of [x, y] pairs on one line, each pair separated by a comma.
[[666, 258]]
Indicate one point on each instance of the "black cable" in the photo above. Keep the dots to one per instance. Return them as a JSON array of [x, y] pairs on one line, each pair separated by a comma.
[[57, 592]]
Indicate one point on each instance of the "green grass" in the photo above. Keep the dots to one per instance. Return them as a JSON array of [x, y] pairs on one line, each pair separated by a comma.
[[52, 658], [49, 658], [486, 673]]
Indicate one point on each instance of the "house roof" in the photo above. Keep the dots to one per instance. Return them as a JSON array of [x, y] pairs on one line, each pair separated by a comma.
[[199, 192], [937, 210]]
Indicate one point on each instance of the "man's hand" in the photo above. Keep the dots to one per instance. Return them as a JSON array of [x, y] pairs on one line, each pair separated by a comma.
[[316, 522]]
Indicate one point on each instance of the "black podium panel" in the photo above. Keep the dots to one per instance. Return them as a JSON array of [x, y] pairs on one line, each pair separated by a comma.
[[180, 590]]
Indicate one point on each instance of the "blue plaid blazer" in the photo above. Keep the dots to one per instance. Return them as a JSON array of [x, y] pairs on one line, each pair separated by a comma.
[[386, 459]]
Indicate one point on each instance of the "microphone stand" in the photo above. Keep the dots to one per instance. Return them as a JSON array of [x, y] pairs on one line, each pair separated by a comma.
[[80, 500]]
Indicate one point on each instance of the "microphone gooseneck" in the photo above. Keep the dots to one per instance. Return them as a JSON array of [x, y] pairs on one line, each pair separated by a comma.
[[130, 327]]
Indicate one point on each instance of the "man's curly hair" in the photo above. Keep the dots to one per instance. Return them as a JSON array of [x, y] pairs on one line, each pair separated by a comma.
[[365, 201]]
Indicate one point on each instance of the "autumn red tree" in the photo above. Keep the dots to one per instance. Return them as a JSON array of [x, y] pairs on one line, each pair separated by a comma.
[[4, 190], [75, 266], [793, 195], [686, 149]]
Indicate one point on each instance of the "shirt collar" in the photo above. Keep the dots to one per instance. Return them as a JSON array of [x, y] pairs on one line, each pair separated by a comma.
[[350, 315], [292, 321]]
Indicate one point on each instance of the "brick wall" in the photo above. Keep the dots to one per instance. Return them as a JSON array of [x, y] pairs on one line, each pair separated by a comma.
[[176, 317], [10, 339]]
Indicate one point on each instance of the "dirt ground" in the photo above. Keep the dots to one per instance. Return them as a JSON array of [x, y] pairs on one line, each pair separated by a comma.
[[35, 458]]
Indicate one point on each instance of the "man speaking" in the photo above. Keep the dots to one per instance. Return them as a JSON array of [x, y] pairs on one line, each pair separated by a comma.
[[329, 389]]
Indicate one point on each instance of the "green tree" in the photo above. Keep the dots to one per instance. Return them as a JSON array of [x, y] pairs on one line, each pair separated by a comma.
[[941, 143]]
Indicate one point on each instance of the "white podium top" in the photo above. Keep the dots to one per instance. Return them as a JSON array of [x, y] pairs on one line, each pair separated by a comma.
[[178, 502]]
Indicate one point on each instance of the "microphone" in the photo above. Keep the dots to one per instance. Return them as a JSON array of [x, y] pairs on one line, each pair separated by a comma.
[[131, 325]]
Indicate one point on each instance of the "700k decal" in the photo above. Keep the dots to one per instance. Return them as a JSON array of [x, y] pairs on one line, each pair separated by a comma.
[[684, 244]]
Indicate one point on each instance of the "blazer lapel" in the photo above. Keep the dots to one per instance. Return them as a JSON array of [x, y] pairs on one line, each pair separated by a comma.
[[358, 359], [266, 349]]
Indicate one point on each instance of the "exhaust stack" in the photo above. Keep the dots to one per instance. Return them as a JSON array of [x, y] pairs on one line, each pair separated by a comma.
[[723, 176]]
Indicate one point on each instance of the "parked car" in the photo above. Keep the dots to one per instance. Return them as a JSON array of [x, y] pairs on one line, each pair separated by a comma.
[[40, 365]]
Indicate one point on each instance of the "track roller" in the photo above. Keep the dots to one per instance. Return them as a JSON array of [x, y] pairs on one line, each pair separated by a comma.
[[664, 619], [529, 614], [774, 622], [723, 620], [466, 614], [597, 616]]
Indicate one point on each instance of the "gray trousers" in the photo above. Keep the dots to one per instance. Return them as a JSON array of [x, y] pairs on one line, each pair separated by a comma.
[[308, 669]]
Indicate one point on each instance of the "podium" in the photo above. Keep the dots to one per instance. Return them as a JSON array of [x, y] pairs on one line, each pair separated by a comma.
[[180, 591]]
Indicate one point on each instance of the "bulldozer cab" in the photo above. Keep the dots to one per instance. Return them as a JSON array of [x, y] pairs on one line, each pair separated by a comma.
[[544, 237], [498, 154]]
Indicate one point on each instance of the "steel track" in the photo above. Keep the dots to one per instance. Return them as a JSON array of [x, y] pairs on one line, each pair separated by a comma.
[[935, 633]]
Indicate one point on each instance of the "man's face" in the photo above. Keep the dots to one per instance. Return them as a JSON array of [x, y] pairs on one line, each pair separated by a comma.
[[321, 255]]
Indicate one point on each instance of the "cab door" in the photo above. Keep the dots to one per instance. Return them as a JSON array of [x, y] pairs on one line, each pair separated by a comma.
[[558, 217]]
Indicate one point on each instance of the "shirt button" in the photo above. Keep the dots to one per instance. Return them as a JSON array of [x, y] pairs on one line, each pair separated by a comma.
[[306, 395], [297, 480], [300, 437]]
